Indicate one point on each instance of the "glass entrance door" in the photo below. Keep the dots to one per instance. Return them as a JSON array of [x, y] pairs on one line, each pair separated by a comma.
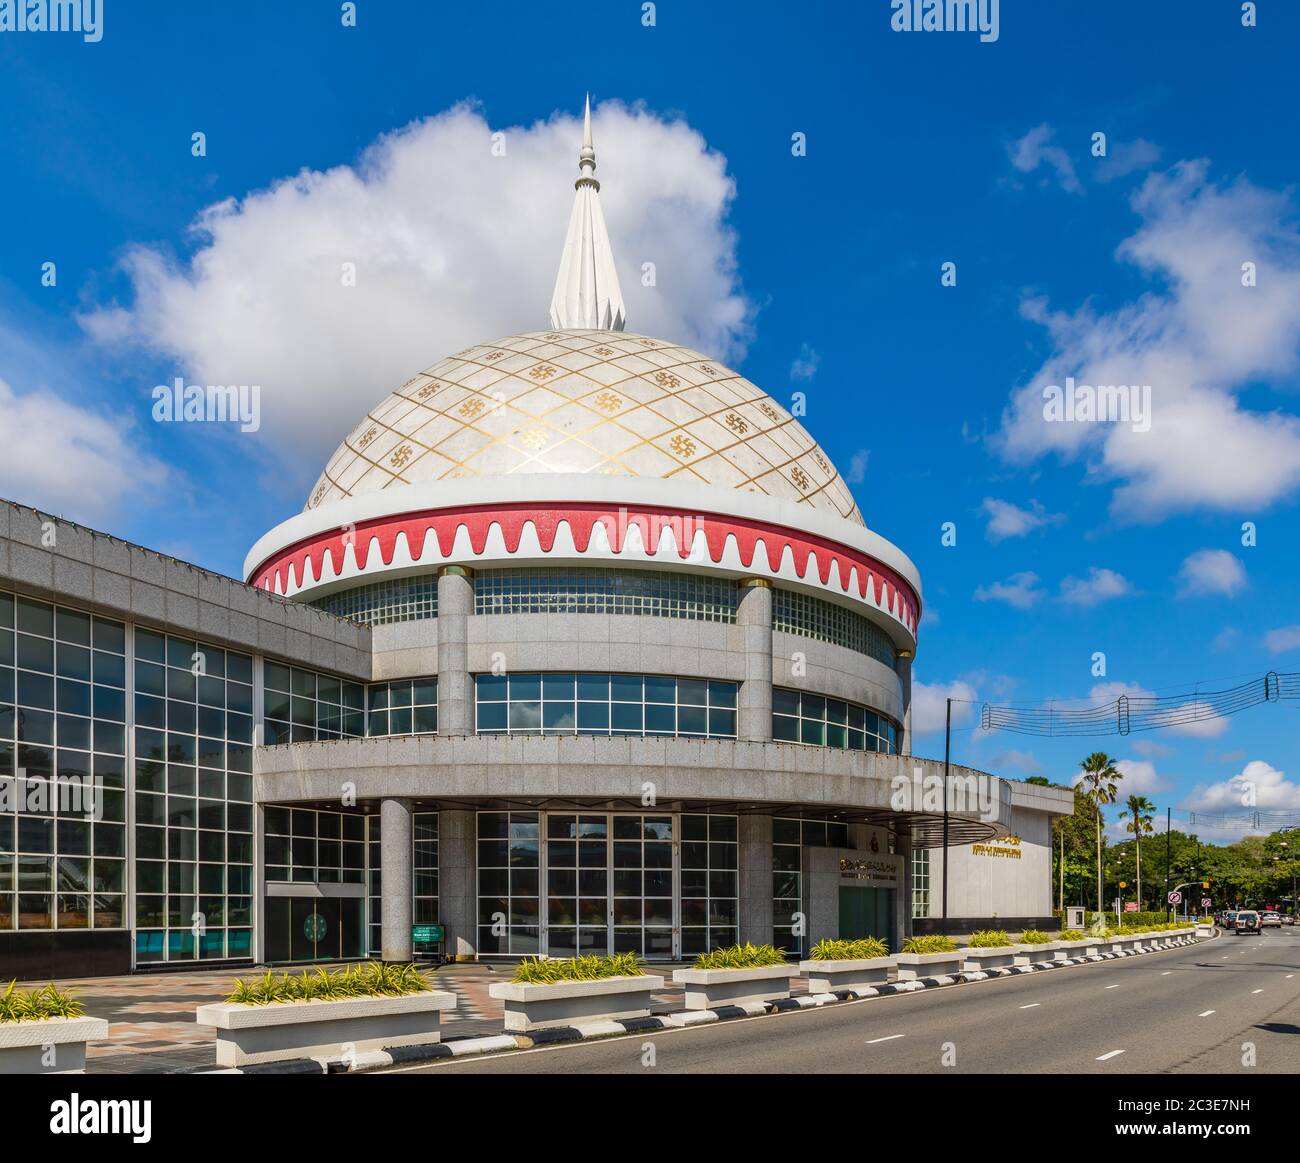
[[609, 885]]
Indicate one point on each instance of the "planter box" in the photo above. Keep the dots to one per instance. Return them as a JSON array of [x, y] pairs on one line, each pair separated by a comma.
[[982, 960], [1069, 950], [48, 1046], [248, 1034], [853, 973], [536, 1007], [707, 989], [912, 966], [1036, 954]]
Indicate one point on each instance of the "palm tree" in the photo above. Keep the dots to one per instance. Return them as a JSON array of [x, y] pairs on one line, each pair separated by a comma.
[[1138, 810], [1100, 784]]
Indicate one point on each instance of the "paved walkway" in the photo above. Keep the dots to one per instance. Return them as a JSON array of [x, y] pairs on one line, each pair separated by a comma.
[[151, 1026]]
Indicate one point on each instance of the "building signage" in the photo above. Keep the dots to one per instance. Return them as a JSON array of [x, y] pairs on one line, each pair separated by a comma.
[[1007, 847], [872, 870], [427, 934]]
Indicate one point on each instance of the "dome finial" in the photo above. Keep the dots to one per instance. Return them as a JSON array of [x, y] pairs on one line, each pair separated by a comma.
[[587, 293]]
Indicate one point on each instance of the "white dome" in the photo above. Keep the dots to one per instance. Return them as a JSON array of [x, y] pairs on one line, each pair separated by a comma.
[[575, 401]]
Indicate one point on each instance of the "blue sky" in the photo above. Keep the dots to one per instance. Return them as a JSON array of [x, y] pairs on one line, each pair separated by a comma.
[[818, 274]]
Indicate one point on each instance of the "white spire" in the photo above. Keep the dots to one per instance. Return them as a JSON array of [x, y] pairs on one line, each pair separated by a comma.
[[586, 289]]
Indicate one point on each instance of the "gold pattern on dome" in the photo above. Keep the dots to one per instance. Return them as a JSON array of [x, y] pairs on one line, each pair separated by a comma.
[[598, 416]]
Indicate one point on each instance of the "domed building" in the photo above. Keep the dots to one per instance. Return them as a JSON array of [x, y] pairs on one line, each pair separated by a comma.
[[579, 644]]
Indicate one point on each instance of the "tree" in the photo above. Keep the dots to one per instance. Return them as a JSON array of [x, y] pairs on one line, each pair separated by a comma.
[[1138, 810], [1100, 786]]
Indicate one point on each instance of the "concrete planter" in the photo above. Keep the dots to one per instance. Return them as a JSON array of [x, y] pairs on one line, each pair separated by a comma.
[[1070, 950], [537, 1007], [707, 989], [248, 1034], [1039, 954], [850, 973], [982, 960], [913, 966], [48, 1046]]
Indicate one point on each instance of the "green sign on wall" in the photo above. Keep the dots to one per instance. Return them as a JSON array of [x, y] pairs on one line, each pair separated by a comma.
[[427, 934]]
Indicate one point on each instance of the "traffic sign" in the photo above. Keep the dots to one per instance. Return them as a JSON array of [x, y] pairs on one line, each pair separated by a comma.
[[1205, 902], [1175, 898]]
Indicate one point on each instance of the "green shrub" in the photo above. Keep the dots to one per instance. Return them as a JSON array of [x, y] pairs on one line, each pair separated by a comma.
[[31, 1005], [1070, 935], [933, 944], [535, 971], [989, 939], [746, 956], [1035, 937], [373, 979], [849, 950]]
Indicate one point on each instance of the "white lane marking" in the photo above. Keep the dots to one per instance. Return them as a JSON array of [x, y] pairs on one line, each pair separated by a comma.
[[873, 1041], [1112, 1054], [1032, 1005], [1256, 991], [1288, 977], [1166, 973], [1112, 987], [1206, 1014]]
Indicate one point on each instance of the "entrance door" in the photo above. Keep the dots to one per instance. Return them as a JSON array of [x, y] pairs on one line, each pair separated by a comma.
[[609, 885], [866, 912]]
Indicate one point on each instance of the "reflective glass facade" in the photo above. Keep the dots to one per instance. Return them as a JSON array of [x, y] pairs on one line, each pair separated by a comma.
[[303, 706], [800, 717], [789, 838], [407, 599], [659, 593], [813, 617], [406, 707], [604, 704]]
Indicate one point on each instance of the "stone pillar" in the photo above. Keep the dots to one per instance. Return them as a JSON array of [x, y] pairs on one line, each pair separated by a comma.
[[905, 677], [903, 903], [395, 840], [455, 692], [457, 881], [754, 619], [754, 862]]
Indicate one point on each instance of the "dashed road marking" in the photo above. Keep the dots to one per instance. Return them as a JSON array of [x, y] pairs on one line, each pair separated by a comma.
[[1206, 1014], [1112, 987], [1112, 1054], [1032, 1005], [1256, 991], [873, 1041], [1166, 973]]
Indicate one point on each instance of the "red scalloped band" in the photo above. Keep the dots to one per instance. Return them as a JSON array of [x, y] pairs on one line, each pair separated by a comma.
[[582, 520]]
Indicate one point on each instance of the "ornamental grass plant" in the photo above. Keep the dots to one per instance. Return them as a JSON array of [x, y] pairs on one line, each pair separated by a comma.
[[746, 956], [936, 943], [34, 1005], [989, 939], [849, 950], [372, 979], [554, 971], [1035, 937]]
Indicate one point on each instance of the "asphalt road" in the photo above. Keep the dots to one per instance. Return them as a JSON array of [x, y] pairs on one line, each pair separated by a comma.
[[1190, 1010]]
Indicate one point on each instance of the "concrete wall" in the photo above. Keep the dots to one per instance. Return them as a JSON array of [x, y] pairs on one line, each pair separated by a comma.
[[58, 561], [823, 878]]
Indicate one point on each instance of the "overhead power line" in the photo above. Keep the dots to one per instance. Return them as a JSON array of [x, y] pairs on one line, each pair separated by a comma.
[[1130, 713]]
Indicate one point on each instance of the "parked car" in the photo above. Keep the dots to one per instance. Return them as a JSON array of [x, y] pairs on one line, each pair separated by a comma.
[[1228, 918], [1288, 919], [1246, 921], [1271, 920]]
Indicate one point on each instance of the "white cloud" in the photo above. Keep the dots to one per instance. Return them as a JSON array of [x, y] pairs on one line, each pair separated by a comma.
[[1035, 149], [1019, 590], [1198, 337], [69, 460], [1257, 786], [804, 365], [1126, 157], [1008, 520], [1140, 778], [1211, 571], [1283, 639], [858, 467], [452, 247], [1152, 749], [1099, 586], [929, 705], [1225, 639], [1193, 719]]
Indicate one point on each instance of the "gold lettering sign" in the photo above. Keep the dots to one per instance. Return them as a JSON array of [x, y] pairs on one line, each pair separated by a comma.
[[1007, 847]]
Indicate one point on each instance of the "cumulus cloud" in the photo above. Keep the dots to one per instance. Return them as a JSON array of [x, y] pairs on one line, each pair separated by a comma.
[[70, 460], [1099, 586], [1019, 762], [452, 246], [1009, 520], [804, 365], [1036, 149], [1126, 157], [1211, 571], [857, 472], [929, 705], [1198, 337], [1193, 719], [1019, 590], [1282, 639], [1257, 786], [1140, 778]]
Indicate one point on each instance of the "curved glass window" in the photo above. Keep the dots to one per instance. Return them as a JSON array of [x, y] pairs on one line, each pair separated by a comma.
[[406, 707], [657, 593], [408, 599], [800, 717], [604, 704], [811, 617]]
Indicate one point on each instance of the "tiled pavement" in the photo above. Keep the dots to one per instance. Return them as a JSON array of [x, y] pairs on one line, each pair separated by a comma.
[[151, 1016]]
